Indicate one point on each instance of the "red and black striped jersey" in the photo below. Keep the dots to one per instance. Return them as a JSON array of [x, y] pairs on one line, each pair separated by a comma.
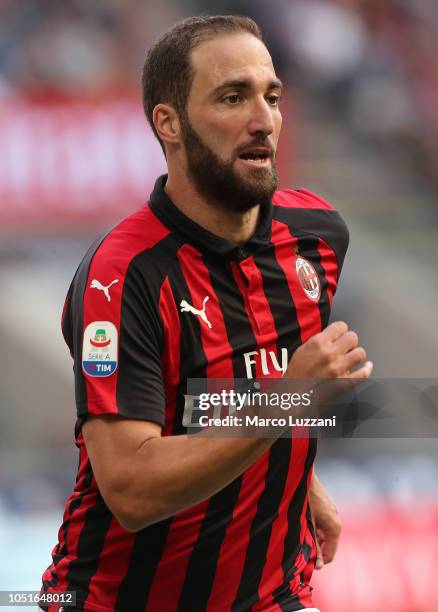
[[154, 302]]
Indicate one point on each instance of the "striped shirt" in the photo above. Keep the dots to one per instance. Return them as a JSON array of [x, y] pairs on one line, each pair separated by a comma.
[[138, 325]]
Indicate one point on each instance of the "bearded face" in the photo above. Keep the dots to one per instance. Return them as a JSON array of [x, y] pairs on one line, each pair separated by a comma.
[[220, 181]]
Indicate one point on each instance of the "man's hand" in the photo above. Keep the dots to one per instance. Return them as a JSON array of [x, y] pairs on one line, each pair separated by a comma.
[[326, 522], [332, 353]]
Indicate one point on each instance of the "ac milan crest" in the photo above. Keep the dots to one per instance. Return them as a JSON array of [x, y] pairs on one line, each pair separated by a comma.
[[308, 278]]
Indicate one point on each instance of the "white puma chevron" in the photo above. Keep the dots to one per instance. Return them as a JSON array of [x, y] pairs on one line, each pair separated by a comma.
[[95, 284], [186, 307]]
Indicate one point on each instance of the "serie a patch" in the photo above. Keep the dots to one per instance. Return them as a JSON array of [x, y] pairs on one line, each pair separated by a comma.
[[100, 349]]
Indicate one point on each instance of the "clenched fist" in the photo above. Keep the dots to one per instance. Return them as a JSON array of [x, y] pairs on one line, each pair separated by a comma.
[[333, 353]]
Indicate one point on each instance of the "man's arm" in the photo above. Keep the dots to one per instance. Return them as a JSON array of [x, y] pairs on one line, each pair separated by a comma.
[[145, 478], [326, 521]]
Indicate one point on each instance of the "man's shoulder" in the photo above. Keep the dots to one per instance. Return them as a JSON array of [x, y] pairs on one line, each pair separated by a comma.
[[137, 232], [300, 198], [136, 235], [136, 247], [306, 211], [308, 214]]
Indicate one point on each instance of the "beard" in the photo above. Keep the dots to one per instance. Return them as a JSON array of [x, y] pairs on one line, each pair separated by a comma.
[[218, 182]]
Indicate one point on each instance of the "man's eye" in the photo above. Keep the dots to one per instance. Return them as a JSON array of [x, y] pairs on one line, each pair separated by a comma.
[[232, 99], [274, 100]]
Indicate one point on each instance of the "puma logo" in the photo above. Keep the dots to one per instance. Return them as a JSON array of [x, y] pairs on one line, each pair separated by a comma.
[[95, 284], [186, 307]]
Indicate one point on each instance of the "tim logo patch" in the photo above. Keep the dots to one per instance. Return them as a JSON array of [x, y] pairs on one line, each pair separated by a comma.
[[99, 350], [308, 278]]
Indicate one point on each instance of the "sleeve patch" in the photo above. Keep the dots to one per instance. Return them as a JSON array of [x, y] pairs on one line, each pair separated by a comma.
[[100, 349]]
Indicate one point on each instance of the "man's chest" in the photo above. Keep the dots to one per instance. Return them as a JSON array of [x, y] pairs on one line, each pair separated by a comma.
[[242, 319]]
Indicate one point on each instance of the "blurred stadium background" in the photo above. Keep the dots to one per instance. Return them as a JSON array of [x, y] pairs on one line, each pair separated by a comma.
[[361, 118]]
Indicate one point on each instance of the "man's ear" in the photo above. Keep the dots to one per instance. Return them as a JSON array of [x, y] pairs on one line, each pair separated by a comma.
[[167, 124]]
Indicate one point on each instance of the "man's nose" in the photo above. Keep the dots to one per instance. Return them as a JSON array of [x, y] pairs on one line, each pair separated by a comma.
[[261, 119]]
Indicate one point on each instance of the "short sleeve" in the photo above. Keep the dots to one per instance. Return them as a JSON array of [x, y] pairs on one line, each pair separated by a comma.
[[112, 325]]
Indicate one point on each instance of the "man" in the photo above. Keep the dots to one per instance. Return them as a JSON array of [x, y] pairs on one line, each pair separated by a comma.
[[204, 282]]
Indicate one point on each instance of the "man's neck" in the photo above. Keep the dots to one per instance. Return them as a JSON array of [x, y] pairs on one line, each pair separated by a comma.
[[231, 225]]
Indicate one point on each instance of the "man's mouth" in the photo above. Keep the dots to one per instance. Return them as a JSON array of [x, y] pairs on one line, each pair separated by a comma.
[[256, 157]]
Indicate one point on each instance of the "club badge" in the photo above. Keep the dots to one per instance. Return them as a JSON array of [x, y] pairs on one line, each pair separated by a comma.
[[308, 278]]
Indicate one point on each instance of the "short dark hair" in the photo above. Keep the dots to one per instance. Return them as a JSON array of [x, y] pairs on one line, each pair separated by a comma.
[[167, 73]]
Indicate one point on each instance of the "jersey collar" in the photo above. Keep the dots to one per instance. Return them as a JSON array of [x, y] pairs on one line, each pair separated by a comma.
[[202, 239]]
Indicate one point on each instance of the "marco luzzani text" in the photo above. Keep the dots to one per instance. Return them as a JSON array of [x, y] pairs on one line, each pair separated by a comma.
[[231, 402]]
